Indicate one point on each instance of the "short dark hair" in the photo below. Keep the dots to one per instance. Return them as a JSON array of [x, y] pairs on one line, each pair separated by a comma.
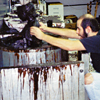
[[92, 22]]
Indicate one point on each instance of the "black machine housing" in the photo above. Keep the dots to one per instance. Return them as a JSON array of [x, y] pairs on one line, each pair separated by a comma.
[[24, 39]]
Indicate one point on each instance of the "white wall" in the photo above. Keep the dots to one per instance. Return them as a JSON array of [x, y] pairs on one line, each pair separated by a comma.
[[76, 10], [80, 10]]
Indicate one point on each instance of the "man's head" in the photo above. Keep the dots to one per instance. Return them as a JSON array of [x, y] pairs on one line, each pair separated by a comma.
[[86, 25]]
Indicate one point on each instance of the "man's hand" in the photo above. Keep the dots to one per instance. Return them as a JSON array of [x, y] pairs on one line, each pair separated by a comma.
[[36, 32], [42, 27]]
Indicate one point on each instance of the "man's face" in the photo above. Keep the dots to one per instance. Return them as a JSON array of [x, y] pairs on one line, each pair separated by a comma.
[[80, 30]]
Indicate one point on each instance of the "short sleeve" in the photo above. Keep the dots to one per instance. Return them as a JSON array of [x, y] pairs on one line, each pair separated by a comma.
[[92, 44]]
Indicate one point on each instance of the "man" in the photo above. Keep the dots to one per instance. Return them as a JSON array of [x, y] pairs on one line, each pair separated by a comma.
[[89, 39]]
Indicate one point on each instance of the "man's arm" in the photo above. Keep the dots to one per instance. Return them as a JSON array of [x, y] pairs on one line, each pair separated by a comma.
[[69, 33], [65, 44]]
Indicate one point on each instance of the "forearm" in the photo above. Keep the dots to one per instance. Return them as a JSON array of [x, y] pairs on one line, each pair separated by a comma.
[[63, 43], [63, 32]]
